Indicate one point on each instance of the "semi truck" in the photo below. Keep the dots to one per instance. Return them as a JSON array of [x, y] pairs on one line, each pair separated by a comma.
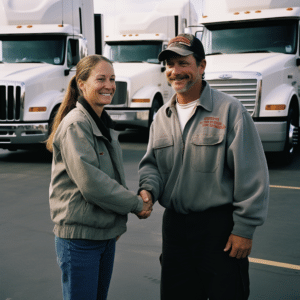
[[133, 42], [40, 45], [252, 53]]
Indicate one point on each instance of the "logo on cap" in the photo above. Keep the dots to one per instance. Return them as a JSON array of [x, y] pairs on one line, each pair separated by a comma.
[[181, 40]]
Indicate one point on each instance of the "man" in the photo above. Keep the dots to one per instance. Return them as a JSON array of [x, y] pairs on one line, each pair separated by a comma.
[[205, 164]]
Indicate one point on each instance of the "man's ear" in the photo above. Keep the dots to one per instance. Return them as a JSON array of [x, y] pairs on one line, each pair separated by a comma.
[[203, 65]]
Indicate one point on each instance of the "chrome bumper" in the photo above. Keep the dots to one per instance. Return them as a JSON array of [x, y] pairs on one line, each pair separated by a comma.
[[130, 117], [26, 133]]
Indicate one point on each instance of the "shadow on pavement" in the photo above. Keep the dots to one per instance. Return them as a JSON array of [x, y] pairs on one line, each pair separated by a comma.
[[27, 156]]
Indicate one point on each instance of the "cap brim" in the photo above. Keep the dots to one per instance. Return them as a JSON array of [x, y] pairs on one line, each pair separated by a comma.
[[171, 50]]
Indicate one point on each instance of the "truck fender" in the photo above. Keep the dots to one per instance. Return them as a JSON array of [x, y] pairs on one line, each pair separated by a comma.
[[282, 94], [49, 99], [147, 92]]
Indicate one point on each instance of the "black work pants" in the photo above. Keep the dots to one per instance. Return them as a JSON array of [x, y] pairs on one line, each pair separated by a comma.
[[194, 265]]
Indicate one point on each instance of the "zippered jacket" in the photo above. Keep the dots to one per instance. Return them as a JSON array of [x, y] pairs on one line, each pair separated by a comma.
[[88, 194], [217, 160]]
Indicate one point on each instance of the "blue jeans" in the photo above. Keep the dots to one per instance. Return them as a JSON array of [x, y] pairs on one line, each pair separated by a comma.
[[86, 267]]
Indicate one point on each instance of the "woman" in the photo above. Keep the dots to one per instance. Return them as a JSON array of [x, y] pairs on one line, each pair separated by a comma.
[[89, 201]]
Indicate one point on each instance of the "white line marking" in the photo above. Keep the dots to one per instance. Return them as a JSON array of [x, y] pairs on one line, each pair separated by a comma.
[[274, 263], [285, 187]]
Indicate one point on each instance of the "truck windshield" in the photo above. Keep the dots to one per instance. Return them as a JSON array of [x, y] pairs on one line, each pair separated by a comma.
[[133, 51], [266, 36], [32, 49]]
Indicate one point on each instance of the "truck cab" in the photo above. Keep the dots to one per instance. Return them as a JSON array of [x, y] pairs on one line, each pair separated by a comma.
[[133, 42], [39, 49], [253, 55]]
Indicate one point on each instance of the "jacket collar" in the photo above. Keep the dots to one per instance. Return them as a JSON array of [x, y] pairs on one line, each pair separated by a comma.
[[204, 101], [97, 130]]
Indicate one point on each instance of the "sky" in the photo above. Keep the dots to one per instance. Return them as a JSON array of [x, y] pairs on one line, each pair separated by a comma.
[[112, 7]]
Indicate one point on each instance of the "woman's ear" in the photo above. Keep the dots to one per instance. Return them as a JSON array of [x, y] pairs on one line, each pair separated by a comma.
[[80, 85]]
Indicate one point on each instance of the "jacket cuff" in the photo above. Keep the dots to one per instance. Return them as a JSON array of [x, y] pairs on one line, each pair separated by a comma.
[[243, 230], [139, 206]]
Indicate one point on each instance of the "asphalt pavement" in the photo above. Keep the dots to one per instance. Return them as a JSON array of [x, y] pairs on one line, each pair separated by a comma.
[[28, 269]]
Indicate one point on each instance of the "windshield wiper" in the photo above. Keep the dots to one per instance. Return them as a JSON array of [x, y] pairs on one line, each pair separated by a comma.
[[256, 51], [31, 61], [214, 53]]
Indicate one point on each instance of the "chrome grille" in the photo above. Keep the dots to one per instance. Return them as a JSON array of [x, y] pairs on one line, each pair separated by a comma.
[[245, 90], [10, 102], [120, 96]]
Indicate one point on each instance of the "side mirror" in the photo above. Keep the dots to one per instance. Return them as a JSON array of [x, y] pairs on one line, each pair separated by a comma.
[[163, 69], [298, 62], [67, 72]]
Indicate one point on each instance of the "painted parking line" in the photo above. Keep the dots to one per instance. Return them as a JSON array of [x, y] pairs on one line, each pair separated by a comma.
[[274, 263], [285, 187]]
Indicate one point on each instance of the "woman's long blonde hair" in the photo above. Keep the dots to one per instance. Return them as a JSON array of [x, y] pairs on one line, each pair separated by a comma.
[[83, 71]]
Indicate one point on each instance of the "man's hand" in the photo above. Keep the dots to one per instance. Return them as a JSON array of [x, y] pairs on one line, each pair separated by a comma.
[[240, 247], [147, 205]]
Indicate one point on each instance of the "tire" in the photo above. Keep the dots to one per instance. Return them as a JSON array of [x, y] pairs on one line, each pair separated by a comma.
[[153, 111], [291, 138]]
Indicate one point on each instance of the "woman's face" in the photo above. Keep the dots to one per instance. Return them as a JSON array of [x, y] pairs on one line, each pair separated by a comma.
[[99, 89]]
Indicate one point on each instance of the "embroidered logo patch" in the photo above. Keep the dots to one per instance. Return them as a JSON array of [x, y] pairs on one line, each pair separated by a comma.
[[213, 123]]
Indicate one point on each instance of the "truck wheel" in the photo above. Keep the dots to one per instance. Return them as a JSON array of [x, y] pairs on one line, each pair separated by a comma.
[[153, 111], [291, 137]]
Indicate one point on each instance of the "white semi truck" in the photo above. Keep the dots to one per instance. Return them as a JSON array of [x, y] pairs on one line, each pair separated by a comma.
[[133, 42], [40, 43], [252, 52]]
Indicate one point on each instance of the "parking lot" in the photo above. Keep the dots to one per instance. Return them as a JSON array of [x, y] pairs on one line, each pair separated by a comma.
[[28, 268]]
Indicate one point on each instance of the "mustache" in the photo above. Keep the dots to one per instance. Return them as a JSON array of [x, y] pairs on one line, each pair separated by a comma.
[[179, 77]]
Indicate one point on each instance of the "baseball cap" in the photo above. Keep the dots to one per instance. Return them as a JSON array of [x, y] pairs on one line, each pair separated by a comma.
[[184, 44]]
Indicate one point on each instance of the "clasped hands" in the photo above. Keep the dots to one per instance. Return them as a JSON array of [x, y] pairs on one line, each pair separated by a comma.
[[147, 205]]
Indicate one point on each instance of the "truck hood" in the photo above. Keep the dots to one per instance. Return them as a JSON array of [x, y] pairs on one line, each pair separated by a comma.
[[24, 72], [263, 63], [130, 70]]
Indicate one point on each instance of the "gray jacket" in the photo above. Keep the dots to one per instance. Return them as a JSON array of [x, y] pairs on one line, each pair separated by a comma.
[[217, 160], [88, 194]]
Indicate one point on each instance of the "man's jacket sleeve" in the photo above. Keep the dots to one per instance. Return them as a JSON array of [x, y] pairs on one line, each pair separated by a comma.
[[246, 159]]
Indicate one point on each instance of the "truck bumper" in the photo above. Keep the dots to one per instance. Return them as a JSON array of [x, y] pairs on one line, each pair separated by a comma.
[[12, 135], [130, 118], [272, 135]]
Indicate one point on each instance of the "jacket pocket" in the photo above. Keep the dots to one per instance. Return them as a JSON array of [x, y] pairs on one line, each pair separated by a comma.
[[206, 152], [163, 150]]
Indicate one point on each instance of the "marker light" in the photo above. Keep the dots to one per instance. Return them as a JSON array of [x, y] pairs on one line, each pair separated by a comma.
[[276, 107], [140, 100], [289, 8], [37, 109], [19, 26], [29, 26]]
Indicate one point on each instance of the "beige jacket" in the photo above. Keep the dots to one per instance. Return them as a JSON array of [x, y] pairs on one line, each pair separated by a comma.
[[88, 194]]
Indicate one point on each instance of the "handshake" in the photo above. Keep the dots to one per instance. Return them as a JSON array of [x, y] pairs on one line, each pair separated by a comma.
[[147, 205]]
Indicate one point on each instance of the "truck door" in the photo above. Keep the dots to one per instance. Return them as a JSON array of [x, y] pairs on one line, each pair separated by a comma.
[[76, 49]]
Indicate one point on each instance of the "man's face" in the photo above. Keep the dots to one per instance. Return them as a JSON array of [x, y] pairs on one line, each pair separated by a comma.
[[183, 73]]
